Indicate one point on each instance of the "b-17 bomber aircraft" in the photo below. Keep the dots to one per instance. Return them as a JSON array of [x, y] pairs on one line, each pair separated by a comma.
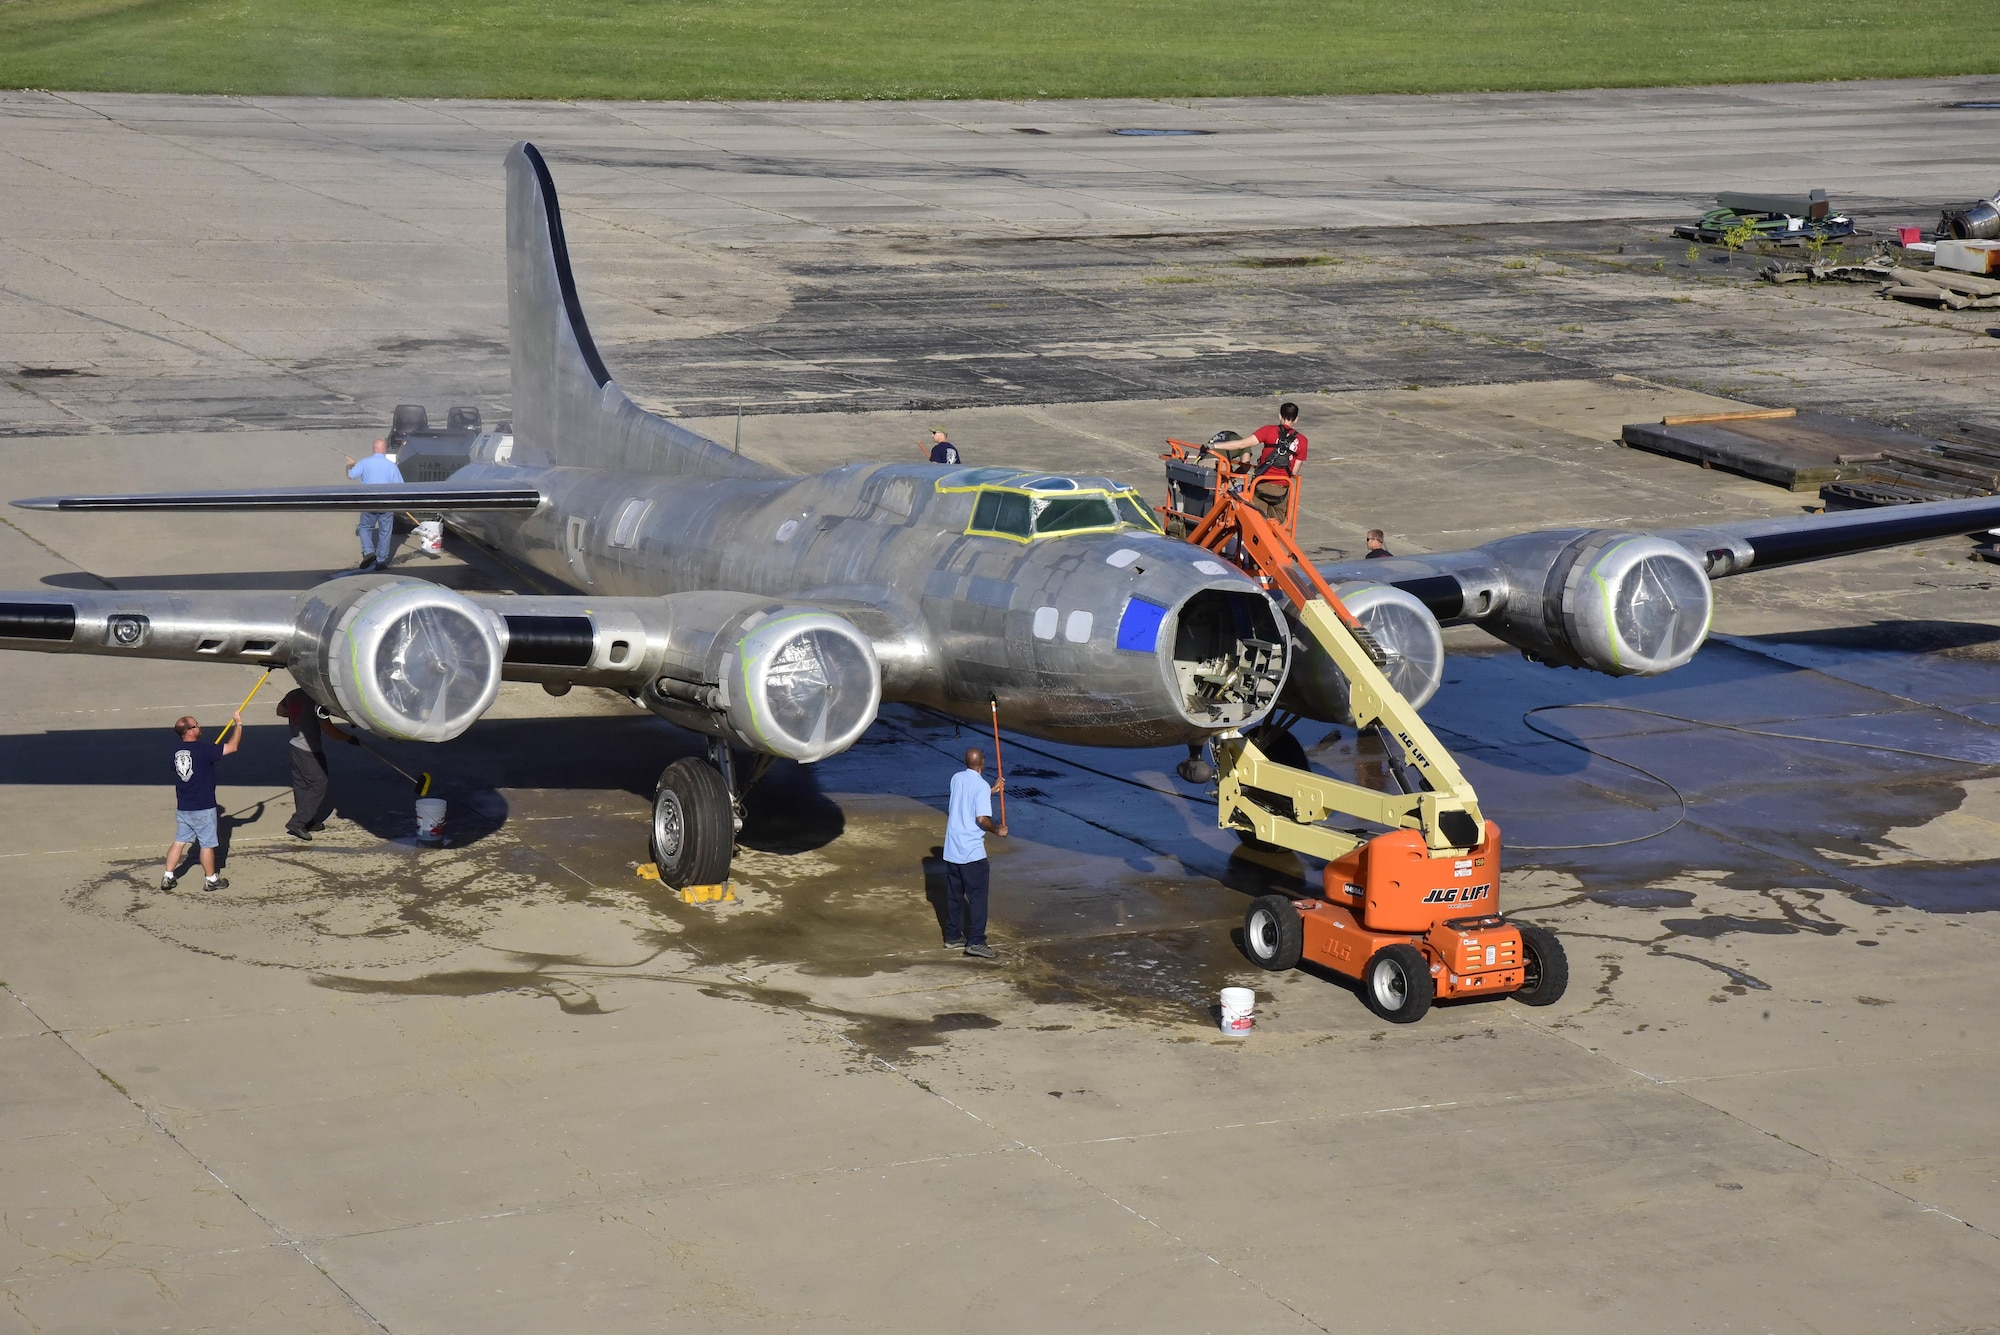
[[774, 614]]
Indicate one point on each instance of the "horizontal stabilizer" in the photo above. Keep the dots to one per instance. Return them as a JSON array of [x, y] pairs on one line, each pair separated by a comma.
[[390, 496]]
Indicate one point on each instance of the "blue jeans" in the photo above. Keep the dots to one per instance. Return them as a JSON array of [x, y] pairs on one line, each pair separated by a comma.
[[965, 901], [378, 535]]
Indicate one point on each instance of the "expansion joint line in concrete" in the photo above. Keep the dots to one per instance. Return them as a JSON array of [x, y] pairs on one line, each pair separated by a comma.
[[53, 552], [1682, 1089], [1057, 1166], [284, 1237]]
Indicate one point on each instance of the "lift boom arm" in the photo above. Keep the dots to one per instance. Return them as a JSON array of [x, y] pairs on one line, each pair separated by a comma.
[[1445, 810]]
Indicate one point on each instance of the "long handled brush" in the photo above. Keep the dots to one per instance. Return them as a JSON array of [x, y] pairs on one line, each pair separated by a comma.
[[420, 782], [999, 766], [245, 705]]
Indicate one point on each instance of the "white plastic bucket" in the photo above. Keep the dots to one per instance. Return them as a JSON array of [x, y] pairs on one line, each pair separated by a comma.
[[430, 818], [430, 537], [1238, 1007]]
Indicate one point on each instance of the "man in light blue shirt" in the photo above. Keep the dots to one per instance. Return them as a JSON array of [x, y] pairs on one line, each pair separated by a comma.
[[967, 823], [377, 528]]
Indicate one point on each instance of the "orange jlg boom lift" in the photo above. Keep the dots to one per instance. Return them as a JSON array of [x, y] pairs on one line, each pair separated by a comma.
[[1412, 914]]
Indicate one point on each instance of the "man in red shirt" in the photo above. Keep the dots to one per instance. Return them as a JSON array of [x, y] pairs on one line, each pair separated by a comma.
[[1277, 469]]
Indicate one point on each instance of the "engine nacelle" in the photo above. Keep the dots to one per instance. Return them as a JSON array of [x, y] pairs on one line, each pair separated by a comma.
[[1625, 604], [798, 682], [1404, 628], [397, 657]]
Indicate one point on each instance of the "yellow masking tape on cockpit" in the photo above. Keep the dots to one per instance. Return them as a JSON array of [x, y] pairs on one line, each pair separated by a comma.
[[1111, 496]]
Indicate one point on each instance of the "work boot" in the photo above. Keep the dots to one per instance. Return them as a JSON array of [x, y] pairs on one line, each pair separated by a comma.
[[982, 951], [216, 883], [364, 563]]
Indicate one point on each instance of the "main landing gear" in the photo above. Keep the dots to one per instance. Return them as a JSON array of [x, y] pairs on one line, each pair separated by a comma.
[[697, 812]]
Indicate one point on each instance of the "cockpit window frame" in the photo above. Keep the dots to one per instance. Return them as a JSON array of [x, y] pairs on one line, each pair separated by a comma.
[[1079, 489], [979, 493]]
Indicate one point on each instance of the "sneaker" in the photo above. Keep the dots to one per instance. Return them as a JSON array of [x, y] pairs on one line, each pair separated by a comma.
[[982, 951], [305, 834], [218, 883], [956, 943], [167, 881]]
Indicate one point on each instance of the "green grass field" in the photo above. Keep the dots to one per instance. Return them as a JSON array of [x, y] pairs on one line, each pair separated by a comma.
[[971, 48]]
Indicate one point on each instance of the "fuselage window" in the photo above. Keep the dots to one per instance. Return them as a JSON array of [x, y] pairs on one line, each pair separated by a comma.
[[626, 532], [1002, 512], [1066, 514]]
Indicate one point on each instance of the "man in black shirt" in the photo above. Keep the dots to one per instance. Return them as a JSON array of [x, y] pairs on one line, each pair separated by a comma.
[[1375, 547], [194, 797], [942, 450], [302, 715]]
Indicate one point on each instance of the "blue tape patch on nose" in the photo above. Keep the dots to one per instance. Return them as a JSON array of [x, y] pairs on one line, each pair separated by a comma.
[[1139, 628]]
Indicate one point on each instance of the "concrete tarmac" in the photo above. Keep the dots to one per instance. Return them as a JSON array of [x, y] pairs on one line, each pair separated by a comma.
[[507, 1084], [221, 263]]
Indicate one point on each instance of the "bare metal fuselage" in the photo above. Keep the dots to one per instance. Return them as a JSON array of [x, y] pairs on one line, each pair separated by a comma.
[[957, 619]]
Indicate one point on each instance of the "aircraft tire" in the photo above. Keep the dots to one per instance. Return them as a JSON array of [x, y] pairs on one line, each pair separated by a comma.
[[1273, 936], [694, 827], [1397, 984], [1543, 965], [1280, 746]]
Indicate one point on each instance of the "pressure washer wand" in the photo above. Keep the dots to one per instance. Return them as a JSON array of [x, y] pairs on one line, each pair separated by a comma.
[[245, 705], [1000, 766]]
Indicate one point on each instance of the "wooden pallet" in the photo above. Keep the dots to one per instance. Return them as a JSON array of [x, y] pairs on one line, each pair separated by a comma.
[[1800, 451]]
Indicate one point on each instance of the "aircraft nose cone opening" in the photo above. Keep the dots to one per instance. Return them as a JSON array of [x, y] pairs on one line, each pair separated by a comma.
[[1227, 657]]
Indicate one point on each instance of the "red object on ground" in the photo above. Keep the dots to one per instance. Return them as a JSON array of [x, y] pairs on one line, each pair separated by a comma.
[[1909, 236]]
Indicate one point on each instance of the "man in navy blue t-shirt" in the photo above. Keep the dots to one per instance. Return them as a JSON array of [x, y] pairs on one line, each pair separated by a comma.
[[194, 796], [942, 450]]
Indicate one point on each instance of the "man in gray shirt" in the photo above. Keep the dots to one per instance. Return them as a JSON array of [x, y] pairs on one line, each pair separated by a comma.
[[302, 713]]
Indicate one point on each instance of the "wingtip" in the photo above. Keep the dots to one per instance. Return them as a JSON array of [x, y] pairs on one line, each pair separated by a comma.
[[39, 503]]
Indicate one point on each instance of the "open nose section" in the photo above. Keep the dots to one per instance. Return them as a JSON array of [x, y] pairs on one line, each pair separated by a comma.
[[1223, 651]]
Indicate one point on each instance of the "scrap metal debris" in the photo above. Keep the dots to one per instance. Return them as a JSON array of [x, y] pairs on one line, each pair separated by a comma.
[[1945, 288], [1786, 220], [1977, 221], [1956, 464]]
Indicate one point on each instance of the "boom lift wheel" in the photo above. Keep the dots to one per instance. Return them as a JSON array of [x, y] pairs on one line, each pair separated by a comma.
[[1397, 984], [694, 826], [1544, 967], [1273, 936]]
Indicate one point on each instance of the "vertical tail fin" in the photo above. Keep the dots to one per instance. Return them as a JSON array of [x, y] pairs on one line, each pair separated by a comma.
[[567, 408]]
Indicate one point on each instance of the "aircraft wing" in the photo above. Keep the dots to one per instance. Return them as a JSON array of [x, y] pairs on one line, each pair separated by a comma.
[[387, 496], [1610, 600], [403, 658], [1451, 584]]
